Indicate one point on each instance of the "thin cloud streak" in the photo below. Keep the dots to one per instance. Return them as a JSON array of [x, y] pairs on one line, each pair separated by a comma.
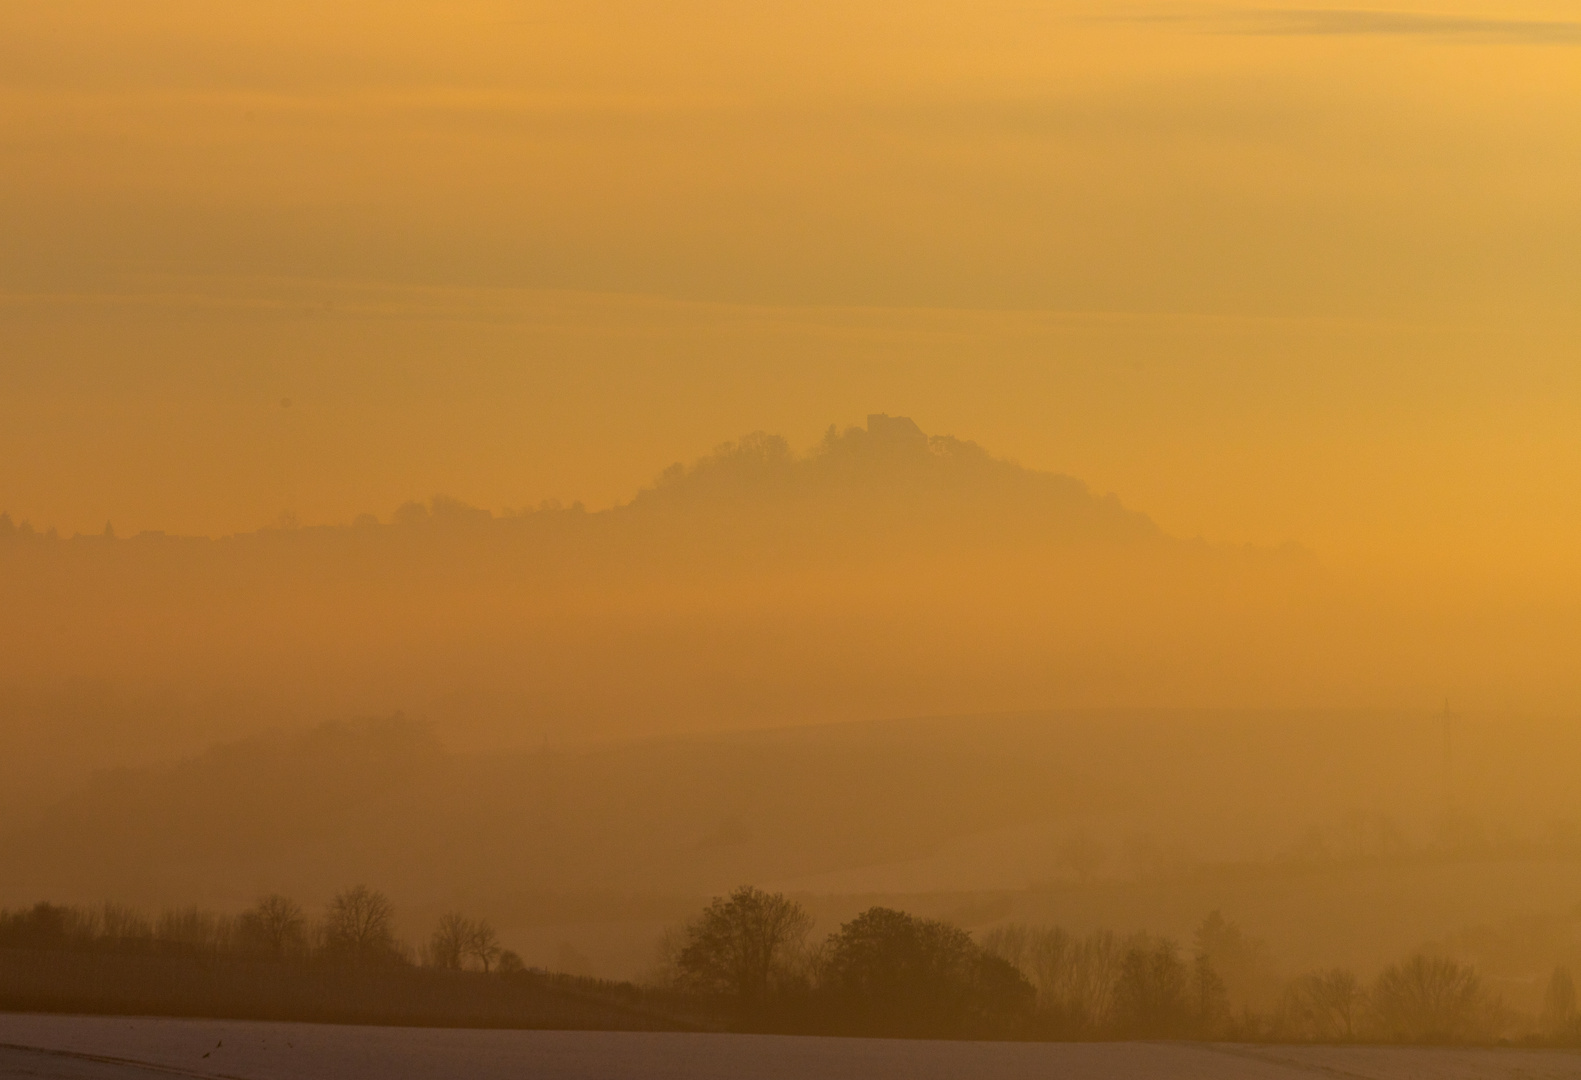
[[1315, 22], [1403, 23]]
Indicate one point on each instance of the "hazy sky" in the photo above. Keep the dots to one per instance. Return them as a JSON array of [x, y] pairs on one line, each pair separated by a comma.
[[1266, 272], [1287, 270]]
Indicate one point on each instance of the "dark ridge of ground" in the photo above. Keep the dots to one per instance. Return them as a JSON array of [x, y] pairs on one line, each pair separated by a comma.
[[159, 985]]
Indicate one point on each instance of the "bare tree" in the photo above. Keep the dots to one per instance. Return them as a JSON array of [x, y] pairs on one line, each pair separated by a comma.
[[1429, 998], [1323, 1005], [483, 944], [1239, 960], [448, 946], [1012, 942], [1094, 980], [121, 923], [459, 939], [737, 943], [1075, 977], [1339, 994], [358, 926], [1210, 1002], [275, 924], [1050, 954], [665, 970], [190, 928], [1153, 994], [1559, 1003]]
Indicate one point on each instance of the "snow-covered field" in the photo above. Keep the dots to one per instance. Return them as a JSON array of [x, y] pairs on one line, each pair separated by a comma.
[[138, 1048]]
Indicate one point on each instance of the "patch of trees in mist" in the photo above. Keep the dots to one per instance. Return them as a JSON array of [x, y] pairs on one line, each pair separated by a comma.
[[1349, 841], [1140, 985], [356, 927], [274, 961], [894, 974], [747, 962], [1454, 834]]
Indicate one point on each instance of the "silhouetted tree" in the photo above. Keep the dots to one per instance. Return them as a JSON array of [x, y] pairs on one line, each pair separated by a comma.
[[1092, 979], [1559, 1004], [1325, 1005], [735, 946], [1241, 962], [275, 924], [483, 944], [358, 927], [1210, 1003], [41, 926], [1001, 997], [123, 924], [893, 973], [447, 948], [1075, 977], [191, 929], [1429, 999], [1017, 943], [1152, 994]]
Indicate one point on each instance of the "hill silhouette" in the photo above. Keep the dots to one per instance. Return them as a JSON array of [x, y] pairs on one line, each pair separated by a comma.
[[384, 800], [884, 572]]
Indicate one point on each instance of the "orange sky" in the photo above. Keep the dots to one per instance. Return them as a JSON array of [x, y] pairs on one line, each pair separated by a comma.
[[1295, 270], [1267, 273]]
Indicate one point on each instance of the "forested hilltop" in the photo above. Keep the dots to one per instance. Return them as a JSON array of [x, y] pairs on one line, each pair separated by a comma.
[[882, 573]]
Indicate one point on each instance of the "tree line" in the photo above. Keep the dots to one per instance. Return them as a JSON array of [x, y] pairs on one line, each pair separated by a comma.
[[748, 961], [886, 972], [356, 928]]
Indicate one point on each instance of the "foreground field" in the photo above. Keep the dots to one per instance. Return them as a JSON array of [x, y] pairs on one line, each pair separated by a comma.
[[134, 1048]]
